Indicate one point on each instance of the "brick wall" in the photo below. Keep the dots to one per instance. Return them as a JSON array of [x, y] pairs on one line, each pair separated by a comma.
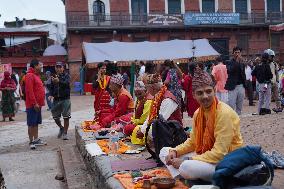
[[257, 5], [74, 70], [225, 6], [157, 6], [119, 5], [192, 5], [76, 5]]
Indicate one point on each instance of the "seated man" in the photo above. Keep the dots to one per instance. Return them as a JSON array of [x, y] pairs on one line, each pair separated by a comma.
[[215, 133], [124, 103], [164, 103], [142, 109]]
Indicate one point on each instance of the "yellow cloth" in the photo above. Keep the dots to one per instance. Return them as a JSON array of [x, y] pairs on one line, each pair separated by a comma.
[[139, 122], [146, 111], [227, 136]]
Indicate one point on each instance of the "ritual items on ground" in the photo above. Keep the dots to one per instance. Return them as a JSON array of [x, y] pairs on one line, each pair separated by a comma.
[[104, 144], [138, 181], [94, 126]]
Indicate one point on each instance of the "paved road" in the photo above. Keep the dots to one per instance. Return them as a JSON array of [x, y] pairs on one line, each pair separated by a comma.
[[26, 169]]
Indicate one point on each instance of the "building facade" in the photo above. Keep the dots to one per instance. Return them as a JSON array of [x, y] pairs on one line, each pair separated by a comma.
[[100, 21], [19, 46]]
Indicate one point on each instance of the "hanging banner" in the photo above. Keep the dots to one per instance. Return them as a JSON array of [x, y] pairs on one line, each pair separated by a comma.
[[165, 20], [4, 68], [278, 27], [211, 18]]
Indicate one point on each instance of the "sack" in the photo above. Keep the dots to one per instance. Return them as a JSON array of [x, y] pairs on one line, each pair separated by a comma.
[[165, 134]]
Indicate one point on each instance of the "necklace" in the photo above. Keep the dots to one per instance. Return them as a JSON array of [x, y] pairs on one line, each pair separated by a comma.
[[156, 104], [103, 86]]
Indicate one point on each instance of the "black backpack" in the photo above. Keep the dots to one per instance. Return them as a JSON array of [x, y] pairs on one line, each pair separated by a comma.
[[165, 134]]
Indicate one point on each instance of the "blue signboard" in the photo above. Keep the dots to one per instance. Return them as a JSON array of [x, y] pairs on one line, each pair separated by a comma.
[[211, 18]]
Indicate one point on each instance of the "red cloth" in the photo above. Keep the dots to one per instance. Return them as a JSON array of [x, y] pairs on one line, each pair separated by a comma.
[[101, 103], [191, 104], [34, 88], [128, 129], [120, 109], [7, 81]]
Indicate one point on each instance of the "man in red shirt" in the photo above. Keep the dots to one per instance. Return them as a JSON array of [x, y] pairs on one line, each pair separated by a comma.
[[34, 101]]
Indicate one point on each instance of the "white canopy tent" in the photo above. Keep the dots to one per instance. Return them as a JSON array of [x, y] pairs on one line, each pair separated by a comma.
[[130, 51]]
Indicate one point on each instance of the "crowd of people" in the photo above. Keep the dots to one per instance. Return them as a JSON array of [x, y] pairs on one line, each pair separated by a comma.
[[213, 97]]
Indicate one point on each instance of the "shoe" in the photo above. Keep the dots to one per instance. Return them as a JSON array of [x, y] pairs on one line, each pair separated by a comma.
[[262, 111], [32, 146], [277, 110], [11, 119], [61, 130], [64, 137], [267, 111], [39, 142]]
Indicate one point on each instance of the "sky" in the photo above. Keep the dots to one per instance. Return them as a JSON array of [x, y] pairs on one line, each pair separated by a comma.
[[53, 10]]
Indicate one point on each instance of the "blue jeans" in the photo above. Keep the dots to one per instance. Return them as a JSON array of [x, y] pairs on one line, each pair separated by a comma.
[[49, 103]]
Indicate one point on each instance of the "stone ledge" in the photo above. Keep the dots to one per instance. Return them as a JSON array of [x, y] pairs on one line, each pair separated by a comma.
[[2, 182], [98, 166]]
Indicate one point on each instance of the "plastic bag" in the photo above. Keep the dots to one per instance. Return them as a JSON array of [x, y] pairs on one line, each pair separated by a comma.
[[255, 175]]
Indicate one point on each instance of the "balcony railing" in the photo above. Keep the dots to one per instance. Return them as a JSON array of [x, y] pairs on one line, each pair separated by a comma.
[[118, 19], [22, 53]]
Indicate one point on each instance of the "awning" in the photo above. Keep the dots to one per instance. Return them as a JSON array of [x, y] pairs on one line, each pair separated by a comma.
[[18, 40], [278, 27], [130, 51], [54, 50]]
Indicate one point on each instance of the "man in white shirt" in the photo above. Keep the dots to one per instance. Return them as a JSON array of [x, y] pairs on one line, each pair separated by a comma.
[[248, 84], [142, 69], [275, 80]]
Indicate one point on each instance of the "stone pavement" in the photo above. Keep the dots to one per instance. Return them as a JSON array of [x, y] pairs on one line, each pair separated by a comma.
[[35, 169], [26, 169]]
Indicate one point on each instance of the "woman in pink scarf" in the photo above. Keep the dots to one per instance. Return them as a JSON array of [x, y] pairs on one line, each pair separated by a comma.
[[7, 87]]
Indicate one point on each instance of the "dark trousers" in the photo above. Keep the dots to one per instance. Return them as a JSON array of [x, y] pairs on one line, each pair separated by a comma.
[[249, 91]]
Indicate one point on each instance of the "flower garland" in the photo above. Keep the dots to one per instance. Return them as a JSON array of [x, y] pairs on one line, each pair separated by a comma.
[[103, 86], [156, 104]]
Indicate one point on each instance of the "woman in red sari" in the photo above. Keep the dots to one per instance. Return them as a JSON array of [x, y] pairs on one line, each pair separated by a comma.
[[191, 104], [7, 87], [102, 93]]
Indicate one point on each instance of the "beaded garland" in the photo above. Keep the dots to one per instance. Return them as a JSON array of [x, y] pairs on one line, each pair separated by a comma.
[[156, 104], [103, 86]]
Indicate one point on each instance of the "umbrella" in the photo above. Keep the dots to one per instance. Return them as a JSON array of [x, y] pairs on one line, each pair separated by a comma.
[[54, 50]]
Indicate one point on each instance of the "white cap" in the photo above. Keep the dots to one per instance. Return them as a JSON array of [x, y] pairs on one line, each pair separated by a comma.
[[269, 52]]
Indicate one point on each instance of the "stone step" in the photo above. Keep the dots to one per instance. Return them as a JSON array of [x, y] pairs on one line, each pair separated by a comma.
[[74, 170]]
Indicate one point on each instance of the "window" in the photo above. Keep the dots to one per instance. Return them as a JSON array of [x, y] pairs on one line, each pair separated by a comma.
[[139, 11], [208, 5], [273, 5], [99, 10], [275, 41], [139, 7], [174, 6], [243, 41], [241, 6]]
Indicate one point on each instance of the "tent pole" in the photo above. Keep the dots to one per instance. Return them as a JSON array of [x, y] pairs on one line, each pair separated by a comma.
[[132, 78]]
